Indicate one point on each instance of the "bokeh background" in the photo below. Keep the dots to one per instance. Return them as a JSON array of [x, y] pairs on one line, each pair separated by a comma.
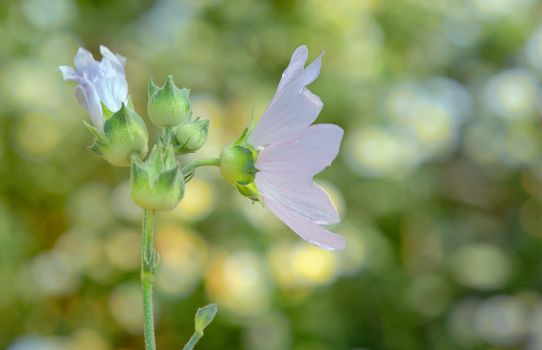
[[439, 179]]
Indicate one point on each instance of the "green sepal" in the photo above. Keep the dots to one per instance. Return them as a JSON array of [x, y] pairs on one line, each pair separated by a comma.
[[250, 191], [247, 131], [107, 113], [152, 88], [237, 164], [95, 132], [138, 170], [168, 178]]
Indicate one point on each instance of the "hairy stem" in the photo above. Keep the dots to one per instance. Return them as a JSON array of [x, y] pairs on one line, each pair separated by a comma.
[[193, 340], [167, 135], [149, 263], [200, 162]]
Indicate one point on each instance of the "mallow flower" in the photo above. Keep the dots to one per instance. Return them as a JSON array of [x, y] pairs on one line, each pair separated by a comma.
[[275, 161], [119, 132], [100, 83]]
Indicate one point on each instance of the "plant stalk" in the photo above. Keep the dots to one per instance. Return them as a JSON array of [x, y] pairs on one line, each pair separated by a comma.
[[193, 341], [200, 162], [149, 264]]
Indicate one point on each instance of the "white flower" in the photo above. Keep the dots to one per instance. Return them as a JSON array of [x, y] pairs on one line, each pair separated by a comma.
[[100, 83], [292, 151]]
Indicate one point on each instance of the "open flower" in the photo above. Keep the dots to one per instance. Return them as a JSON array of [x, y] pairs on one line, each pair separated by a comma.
[[100, 83], [119, 132], [276, 162]]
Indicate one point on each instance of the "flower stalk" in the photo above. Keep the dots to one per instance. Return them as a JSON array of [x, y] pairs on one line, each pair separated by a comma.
[[200, 162], [193, 341], [149, 265]]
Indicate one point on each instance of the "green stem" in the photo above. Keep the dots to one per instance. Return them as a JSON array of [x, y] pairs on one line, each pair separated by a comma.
[[169, 135], [149, 263], [193, 340], [201, 162]]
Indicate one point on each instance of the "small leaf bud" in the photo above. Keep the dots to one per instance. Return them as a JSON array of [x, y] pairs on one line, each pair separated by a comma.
[[204, 317]]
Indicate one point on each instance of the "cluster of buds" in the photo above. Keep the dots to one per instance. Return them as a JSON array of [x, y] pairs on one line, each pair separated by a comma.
[[120, 134], [157, 182]]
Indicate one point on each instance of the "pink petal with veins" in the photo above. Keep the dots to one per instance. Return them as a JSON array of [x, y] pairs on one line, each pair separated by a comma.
[[302, 154], [309, 231], [302, 196], [293, 107]]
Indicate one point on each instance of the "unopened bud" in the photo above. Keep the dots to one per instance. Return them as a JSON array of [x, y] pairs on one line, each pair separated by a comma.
[[191, 135], [168, 106], [124, 135], [204, 317], [157, 183]]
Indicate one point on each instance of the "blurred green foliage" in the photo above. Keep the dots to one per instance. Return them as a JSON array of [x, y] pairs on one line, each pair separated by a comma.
[[439, 181]]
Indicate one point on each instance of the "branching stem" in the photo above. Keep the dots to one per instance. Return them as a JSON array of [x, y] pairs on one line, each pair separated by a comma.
[[200, 162]]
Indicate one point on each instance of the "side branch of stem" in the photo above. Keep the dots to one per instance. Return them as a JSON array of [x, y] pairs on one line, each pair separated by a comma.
[[200, 162]]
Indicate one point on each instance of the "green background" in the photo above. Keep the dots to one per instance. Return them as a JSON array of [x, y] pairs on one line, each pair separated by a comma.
[[438, 182]]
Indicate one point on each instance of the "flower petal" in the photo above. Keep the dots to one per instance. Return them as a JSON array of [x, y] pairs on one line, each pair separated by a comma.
[[113, 92], [301, 196], [85, 64], [303, 154], [99, 82], [309, 231], [68, 73], [116, 61], [293, 107], [297, 63], [89, 99]]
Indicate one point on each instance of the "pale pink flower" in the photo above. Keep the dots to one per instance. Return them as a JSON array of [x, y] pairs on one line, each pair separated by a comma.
[[100, 83], [292, 151]]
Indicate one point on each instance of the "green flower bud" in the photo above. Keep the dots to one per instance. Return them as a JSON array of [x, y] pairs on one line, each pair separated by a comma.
[[191, 135], [168, 106], [124, 135], [157, 183], [237, 166], [204, 317]]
